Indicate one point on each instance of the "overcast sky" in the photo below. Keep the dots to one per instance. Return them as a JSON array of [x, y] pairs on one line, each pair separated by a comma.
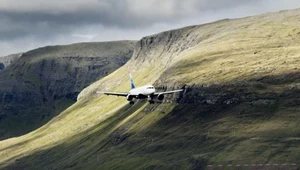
[[28, 24]]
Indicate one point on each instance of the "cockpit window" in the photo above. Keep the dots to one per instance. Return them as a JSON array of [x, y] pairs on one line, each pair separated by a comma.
[[150, 87]]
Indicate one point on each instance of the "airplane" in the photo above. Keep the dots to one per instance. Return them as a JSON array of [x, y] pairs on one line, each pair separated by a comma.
[[142, 92]]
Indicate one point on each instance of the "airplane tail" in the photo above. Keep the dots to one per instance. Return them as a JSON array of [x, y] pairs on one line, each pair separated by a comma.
[[131, 82]]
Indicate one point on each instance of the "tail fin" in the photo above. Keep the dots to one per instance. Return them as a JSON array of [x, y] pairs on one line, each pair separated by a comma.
[[131, 82]]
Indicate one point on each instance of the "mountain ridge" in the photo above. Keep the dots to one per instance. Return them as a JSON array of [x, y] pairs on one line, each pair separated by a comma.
[[239, 105]]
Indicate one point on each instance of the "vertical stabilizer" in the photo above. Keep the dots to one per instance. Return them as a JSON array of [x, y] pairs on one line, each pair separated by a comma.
[[131, 82]]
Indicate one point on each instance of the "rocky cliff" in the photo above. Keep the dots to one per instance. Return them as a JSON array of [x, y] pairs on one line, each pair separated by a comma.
[[42, 82], [239, 106]]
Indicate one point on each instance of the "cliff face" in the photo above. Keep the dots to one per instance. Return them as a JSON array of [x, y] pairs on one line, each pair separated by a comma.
[[153, 55], [43, 82], [239, 105]]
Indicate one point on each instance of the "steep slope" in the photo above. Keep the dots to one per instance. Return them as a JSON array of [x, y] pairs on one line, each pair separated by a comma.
[[43, 82], [240, 104], [8, 60]]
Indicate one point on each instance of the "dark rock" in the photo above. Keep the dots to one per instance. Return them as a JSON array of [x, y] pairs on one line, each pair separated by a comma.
[[198, 163], [2, 66]]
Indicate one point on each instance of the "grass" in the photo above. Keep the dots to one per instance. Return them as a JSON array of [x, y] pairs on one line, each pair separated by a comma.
[[254, 65], [142, 138]]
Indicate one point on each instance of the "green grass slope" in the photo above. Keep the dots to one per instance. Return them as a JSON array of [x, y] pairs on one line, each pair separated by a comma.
[[240, 104], [45, 81]]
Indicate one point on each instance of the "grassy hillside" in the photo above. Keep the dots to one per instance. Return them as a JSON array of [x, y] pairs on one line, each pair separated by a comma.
[[240, 104], [45, 81]]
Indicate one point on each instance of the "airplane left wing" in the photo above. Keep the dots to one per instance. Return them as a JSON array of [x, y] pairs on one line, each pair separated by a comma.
[[113, 93]]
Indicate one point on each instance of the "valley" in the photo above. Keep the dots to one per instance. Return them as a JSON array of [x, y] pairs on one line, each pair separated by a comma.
[[240, 104]]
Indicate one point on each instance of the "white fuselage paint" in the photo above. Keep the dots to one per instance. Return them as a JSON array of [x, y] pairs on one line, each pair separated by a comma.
[[143, 90]]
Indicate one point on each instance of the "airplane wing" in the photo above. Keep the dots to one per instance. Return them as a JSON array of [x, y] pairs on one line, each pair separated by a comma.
[[113, 93], [168, 92]]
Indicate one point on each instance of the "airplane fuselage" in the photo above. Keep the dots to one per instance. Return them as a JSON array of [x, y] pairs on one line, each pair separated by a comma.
[[143, 90]]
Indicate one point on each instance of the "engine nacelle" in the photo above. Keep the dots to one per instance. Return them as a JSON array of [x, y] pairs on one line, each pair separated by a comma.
[[129, 97], [160, 97]]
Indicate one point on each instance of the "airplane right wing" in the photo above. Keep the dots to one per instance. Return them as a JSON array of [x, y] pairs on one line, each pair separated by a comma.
[[114, 93]]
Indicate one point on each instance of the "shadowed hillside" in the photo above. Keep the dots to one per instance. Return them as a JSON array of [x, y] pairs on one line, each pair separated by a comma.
[[43, 82], [240, 104]]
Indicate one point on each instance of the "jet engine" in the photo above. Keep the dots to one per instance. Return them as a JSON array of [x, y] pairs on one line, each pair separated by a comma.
[[129, 97], [160, 97]]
